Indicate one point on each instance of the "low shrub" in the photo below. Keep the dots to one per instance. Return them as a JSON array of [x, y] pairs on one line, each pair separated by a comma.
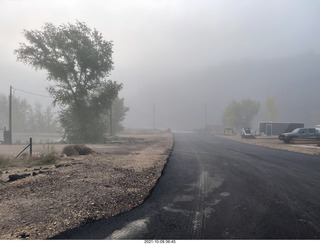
[[28, 161], [48, 159], [72, 150], [4, 162]]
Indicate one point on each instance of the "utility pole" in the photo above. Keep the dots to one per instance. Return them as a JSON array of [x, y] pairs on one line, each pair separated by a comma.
[[205, 116], [10, 116], [154, 115], [111, 124]]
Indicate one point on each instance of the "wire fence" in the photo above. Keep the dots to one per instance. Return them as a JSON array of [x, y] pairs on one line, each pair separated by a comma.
[[38, 138]]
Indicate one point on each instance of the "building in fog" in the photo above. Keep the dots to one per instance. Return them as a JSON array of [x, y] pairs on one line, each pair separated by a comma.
[[276, 128]]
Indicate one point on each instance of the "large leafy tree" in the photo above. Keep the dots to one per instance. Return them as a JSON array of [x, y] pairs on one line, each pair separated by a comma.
[[240, 114], [78, 60]]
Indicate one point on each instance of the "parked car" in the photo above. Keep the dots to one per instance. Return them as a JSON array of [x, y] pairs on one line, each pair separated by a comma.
[[246, 133], [307, 133]]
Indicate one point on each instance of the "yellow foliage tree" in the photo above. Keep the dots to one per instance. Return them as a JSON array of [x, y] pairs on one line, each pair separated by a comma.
[[272, 109]]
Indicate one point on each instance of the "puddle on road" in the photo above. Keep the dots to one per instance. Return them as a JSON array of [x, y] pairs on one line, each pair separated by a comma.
[[184, 198], [175, 210], [216, 201], [208, 211], [196, 195], [130, 230], [225, 194], [211, 182]]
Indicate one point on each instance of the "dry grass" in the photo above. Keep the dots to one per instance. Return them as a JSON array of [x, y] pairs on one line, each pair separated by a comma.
[[28, 161]]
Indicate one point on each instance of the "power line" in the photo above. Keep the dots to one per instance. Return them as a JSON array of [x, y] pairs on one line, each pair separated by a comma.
[[138, 112], [35, 94]]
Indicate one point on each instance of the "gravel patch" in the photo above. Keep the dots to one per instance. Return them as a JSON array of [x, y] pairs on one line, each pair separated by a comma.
[[274, 142], [77, 190]]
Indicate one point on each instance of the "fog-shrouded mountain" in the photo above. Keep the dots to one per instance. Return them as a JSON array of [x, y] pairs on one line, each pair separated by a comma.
[[181, 100]]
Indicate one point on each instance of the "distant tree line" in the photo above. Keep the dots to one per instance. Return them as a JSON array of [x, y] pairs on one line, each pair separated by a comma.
[[27, 118]]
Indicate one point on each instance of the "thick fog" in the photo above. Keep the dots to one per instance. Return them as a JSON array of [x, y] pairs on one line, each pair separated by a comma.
[[186, 57]]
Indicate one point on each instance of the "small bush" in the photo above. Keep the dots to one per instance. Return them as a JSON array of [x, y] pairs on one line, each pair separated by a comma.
[[4, 162], [72, 150], [47, 159], [50, 158]]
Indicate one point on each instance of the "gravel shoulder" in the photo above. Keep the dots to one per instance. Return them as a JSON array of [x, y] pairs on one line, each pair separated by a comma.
[[77, 190], [274, 142]]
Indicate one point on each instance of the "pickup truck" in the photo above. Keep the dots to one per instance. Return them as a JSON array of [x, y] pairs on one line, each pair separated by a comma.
[[305, 133], [246, 133]]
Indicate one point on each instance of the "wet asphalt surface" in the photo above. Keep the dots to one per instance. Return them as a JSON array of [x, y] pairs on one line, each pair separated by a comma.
[[214, 188]]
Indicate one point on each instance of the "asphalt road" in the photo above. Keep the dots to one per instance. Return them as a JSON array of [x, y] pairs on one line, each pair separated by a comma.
[[214, 188]]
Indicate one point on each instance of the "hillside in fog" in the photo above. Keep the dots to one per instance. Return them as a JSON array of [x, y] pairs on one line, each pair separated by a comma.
[[292, 81]]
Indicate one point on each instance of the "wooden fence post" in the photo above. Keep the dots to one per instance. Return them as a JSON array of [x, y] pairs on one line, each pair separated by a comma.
[[30, 145]]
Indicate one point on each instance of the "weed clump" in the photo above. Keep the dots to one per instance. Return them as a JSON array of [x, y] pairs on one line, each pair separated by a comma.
[[4, 162], [73, 150], [48, 159], [28, 161]]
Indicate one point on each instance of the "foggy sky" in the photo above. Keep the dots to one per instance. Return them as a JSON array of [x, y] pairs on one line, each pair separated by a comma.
[[176, 54]]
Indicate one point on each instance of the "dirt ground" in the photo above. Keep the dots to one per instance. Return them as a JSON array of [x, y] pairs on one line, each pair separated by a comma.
[[80, 189], [274, 142]]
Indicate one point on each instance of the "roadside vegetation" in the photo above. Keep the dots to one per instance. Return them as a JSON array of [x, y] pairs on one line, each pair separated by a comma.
[[48, 157], [74, 150], [6, 162]]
